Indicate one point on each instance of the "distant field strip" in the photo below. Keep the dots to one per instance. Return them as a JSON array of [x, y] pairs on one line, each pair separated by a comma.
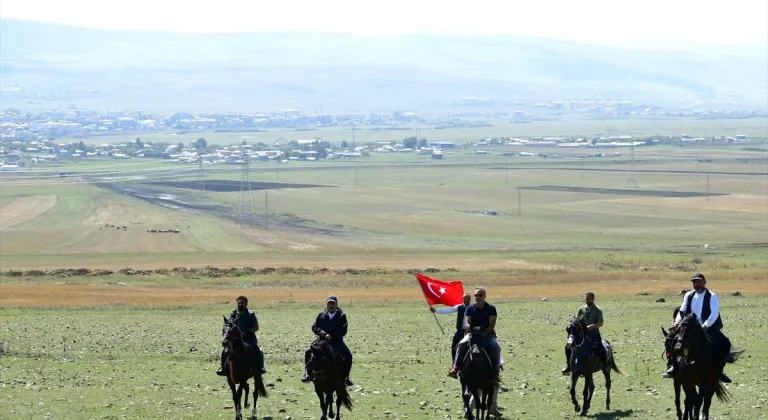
[[24, 209], [26, 295], [615, 191]]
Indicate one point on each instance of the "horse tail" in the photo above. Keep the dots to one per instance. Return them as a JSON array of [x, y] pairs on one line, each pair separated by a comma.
[[343, 395], [258, 383], [733, 356], [615, 367], [721, 391]]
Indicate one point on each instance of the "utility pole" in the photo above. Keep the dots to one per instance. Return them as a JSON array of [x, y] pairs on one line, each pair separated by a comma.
[[506, 171]]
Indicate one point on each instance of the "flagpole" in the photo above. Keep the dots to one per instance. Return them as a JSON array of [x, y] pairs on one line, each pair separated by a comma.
[[433, 314], [438, 322]]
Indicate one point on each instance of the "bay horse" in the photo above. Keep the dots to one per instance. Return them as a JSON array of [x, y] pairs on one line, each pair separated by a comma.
[[691, 348], [476, 378], [239, 368], [326, 367], [584, 363]]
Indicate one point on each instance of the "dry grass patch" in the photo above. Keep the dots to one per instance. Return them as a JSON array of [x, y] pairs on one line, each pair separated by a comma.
[[737, 203], [92, 295], [24, 209]]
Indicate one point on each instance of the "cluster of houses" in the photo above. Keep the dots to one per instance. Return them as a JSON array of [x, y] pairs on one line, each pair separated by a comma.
[[16, 153], [18, 125]]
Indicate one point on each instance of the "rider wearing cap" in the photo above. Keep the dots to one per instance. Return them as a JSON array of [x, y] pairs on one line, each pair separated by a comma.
[[331, 325], [705, 304]]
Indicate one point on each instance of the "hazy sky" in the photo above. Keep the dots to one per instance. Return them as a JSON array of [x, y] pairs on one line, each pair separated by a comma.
[[615, 22]]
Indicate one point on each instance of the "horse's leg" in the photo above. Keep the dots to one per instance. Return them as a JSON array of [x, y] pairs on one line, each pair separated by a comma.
[[585, 393], [246, 390], [690, 399], [238, 400], [574, 380], [476, 397], [607, 374], [234, 395], [708, 393], [255, 408], [466, 398], [329, 403], [323, 405], [677, 399], [338, 407]]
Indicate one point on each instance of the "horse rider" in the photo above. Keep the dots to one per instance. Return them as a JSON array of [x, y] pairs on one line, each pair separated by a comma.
[[593, 317], [248, 323], [461, 321], [705, 304], [331, 325], [480, 315]]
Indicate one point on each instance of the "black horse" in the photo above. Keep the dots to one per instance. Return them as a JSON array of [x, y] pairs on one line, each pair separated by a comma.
[[476, 378], [584, 363], [691, 350], [326, 367], [239, 368]]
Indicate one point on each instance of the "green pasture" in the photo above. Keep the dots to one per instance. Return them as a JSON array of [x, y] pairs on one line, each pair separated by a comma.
[[392, 209], [122, 362]]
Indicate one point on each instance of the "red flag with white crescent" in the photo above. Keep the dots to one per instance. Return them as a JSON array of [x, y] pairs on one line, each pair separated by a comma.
[[441, 292]]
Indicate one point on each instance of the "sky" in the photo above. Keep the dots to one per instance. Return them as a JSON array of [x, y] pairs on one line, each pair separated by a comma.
[[629, 23]]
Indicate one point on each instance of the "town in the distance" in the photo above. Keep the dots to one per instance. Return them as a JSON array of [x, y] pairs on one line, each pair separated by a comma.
[[40, 138]]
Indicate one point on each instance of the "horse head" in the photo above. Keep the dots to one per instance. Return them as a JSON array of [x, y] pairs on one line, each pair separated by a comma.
[[231, 336], [321, 358], [575, 330], [689, 339]]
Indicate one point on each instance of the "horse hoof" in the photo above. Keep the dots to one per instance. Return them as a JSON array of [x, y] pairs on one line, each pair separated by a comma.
[[576, 408]]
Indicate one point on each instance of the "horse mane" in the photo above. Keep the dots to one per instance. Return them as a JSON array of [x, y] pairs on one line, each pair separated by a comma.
[[326, 350], [691, 323]]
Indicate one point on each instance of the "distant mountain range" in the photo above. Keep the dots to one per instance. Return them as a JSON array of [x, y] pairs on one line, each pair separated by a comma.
[[163, 71]]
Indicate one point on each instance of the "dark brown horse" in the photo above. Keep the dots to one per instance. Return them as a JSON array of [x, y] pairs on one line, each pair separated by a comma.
[[239, 368], [476, 378], [696, 371], [584, 363], [326, 367]]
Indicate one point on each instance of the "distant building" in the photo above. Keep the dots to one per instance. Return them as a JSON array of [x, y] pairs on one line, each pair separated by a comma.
[[443, 144]]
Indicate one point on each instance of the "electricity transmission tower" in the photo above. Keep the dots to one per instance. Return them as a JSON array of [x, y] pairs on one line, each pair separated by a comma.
[[245, 211], [200, 175], [631, 166]]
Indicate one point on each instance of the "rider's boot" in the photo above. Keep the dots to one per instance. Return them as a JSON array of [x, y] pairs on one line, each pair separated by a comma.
[[567, 369], [221, 372], [307, 377]]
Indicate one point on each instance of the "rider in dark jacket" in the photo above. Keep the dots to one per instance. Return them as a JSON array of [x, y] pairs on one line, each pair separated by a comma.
[[331, 325]]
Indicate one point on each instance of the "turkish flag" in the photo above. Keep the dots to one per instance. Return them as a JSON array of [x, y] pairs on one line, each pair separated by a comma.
[[440, 292]]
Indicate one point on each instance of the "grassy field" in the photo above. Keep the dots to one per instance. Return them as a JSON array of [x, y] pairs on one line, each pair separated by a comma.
[[141, 340], [640, 127], [376, 212], [120, 361]]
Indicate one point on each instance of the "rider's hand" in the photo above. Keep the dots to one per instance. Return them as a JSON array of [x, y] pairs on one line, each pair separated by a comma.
[[327, 337], [431, 309]]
